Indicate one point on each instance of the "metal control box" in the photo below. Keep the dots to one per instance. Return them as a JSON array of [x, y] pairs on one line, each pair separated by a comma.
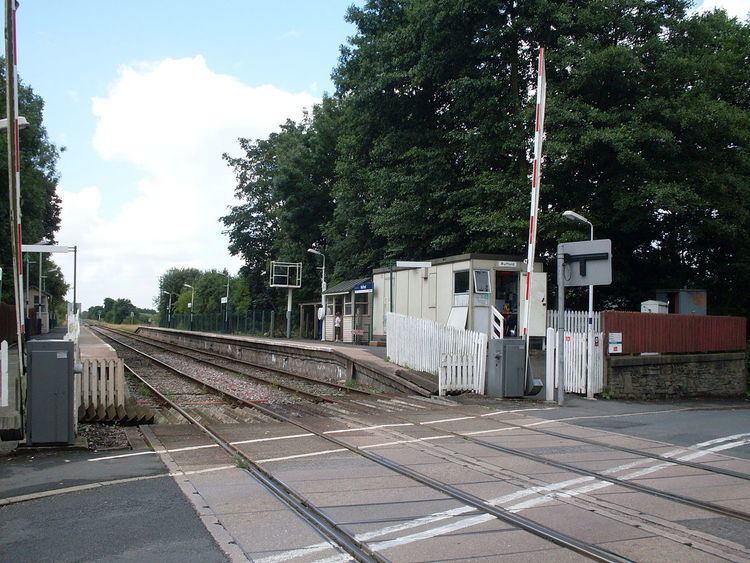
[[506, 363], [50, 392]]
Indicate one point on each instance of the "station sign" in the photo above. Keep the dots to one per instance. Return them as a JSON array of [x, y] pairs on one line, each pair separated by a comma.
[[364, 287]]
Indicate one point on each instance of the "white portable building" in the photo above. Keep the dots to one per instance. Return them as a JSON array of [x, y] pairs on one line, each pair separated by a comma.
[[461, 291]]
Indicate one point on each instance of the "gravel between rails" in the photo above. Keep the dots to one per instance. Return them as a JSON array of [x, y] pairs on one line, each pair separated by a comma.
[[235, 383], [248, 390]]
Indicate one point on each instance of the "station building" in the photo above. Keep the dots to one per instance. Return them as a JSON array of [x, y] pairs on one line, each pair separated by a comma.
[[461, 291]]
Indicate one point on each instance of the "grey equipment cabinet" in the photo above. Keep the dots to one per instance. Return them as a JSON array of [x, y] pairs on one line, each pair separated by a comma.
[[505, 363], [50, 392]]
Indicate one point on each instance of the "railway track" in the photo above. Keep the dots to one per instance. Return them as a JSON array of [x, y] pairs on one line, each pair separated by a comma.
[[581, 547], [311, 388], [592, 502]]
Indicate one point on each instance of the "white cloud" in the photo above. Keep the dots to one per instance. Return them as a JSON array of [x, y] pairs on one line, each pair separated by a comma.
[[172, 120], [736, 8]]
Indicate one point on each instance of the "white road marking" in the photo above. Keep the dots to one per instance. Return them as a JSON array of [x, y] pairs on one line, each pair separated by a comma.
[[477, 432], [448, 420], [519, 410], [299, 456], [361, 428], [549, 492], [76, 488], [396, 442], [257, 440], [719, 440]]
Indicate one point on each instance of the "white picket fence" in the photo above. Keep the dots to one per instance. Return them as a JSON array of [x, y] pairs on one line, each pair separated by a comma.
[[575, 321], [101, 383], [74, 328], [458, 357], [4, 373], [576, 360]]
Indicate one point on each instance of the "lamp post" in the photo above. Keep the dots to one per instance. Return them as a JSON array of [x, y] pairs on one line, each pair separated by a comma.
[[573, 216], [322, 292], [226, 307], [169, 308], [192, 305]]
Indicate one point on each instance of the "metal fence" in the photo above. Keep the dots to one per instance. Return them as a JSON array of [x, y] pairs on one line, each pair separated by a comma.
[[253, 323]]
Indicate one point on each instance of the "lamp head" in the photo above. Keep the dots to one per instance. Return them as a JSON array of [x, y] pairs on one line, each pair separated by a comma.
[[187, 285], [313, 251], [573, 216]]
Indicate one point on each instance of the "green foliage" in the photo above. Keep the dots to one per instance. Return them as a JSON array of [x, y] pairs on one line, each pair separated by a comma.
[[117, 311], [40, 204], [423, 151], [210, 286]]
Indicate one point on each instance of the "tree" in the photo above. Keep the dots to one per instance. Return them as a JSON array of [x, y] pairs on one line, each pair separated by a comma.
[[40, 204], [173, 281], [284, 186], [428, 137]]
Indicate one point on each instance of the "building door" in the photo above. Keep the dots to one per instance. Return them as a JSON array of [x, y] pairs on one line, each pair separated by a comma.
[[506, 299]]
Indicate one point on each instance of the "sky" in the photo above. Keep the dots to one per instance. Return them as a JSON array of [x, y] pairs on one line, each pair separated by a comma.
[[146, 95]]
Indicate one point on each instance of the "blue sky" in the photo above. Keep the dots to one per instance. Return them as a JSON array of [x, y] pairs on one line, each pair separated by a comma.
[[76, 52], [146, 96], [70, 52]]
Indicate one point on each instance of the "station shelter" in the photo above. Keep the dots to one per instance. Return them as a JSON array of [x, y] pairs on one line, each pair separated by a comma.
[[463, 291], [351, 300]]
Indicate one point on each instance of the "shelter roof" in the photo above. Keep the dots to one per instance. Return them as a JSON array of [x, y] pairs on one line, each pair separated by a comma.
[[345, 286], [460, 258]]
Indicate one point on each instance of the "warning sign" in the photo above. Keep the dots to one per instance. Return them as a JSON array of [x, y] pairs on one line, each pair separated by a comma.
[[615, 343]]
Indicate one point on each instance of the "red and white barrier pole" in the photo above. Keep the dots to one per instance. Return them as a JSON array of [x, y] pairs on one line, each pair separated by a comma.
[[536, 172], [14, 171]]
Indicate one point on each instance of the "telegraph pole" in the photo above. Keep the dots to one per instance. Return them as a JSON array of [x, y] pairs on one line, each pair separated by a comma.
[[14, 172]]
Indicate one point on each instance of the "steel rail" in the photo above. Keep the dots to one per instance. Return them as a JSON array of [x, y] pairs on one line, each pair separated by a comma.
[[171, 347], [641, 453], [674, 497], [578, 546], [309, 512], [624, 449], [259, 379], [689, 501]]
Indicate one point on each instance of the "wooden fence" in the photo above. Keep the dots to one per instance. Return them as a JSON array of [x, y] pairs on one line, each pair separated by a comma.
[[431, 347], [461, 372], [101, 386], [7, 323], [649, 332]]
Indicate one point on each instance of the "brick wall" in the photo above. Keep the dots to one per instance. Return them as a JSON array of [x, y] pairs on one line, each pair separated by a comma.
[[672, 376]]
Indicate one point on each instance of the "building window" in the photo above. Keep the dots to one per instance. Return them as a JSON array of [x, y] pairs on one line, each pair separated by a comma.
[[361, 304], [461, 282], [348, 304], [482, 281]]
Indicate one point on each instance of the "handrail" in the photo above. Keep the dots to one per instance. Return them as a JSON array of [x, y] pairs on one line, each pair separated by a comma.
[[498, 324]]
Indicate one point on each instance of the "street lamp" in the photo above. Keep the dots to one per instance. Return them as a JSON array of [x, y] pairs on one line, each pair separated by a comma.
[[192, 305], [322, 292], [573, 216], [226, 307], [169, 308]]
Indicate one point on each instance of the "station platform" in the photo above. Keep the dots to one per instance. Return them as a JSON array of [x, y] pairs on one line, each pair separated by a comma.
[[366, 364]]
